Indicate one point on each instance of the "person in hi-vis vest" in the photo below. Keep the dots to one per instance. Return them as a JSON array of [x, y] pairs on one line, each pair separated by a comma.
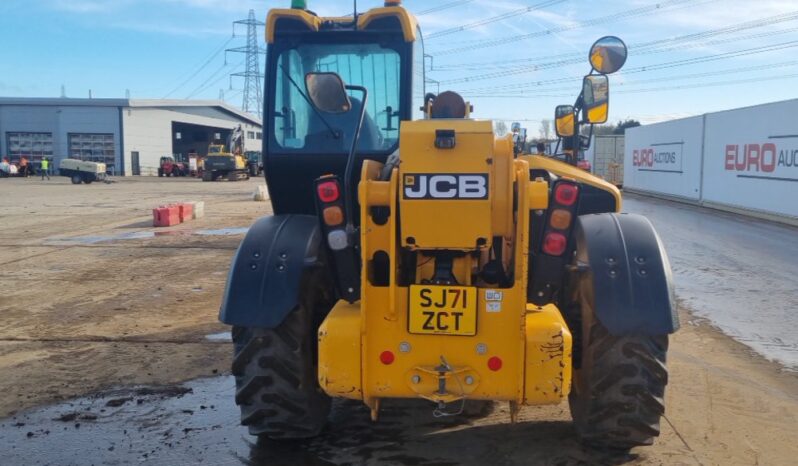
[[45, 168]]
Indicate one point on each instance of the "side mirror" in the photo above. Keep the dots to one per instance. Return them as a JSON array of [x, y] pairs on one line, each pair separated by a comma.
[[596, 98], [608, 55], [327, 92], [564, 121]]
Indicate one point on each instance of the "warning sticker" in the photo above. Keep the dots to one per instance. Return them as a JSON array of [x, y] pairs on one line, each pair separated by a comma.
[[493, 306], [493, 295]]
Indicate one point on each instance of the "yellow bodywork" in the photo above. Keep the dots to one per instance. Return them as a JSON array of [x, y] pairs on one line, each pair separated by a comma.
[[533, 343], [449, 224], [569, 171], [313, 23]]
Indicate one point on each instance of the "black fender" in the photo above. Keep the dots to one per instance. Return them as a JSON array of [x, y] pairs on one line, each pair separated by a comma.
[[263, 284], [624, 274]]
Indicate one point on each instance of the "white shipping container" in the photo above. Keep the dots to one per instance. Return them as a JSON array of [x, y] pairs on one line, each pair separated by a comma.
[[665, 158], [606, 157], [751, 158]]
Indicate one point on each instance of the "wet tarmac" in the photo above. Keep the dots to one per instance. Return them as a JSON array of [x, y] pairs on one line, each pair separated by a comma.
[[197, 423], [739, 273]]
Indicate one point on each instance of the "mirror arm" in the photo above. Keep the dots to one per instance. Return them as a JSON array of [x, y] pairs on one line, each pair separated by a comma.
[[577, 122], [350, 161]]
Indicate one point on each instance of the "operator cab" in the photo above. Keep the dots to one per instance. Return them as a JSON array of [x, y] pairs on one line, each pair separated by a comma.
[[380, 49]]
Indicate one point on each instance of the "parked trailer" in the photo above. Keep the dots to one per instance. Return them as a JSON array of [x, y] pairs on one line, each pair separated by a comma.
[[81, 171]]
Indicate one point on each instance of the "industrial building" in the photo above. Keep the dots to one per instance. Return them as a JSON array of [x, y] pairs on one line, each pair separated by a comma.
[[128, 135]]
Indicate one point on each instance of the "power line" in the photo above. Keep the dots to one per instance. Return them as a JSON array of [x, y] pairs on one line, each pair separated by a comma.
[[199, 70], [710, 84], [579, 60], [445, 6], [659, 66], [728, 71], [645, 47], [202, 86], [208, 84], [633, 13], [501, 17], [655, 89]]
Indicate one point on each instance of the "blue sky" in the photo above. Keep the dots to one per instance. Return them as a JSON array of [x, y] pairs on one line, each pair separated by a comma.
[[151, 47]]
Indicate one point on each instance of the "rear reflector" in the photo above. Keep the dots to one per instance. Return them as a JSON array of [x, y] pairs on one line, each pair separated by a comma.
[[337, 240], [387, 357], [560, 219], [333, 216], [494, 363], [328, 191], [566, 193], [554, 243]]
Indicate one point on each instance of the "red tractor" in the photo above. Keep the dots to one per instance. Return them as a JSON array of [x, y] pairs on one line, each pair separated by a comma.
[[169, 167]]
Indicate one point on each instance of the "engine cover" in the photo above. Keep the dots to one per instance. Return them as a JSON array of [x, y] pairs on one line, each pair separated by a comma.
[[446, 192]]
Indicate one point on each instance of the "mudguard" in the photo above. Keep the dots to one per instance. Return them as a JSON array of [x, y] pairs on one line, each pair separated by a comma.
[[625, 274], [264, 279]]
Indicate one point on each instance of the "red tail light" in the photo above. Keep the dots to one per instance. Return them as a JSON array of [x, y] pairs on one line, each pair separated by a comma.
[[328, 191], [554, 243], [566, 193]]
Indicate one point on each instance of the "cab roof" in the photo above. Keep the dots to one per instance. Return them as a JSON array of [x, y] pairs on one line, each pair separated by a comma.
[[387, 18]]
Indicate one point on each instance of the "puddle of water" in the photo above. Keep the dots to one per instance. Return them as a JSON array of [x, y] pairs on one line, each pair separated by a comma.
[[223, 232], [734, 271], [198, 422], [221, 336], [79, 240]]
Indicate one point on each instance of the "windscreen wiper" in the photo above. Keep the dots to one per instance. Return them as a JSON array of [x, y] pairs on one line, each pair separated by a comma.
[[334, 133]]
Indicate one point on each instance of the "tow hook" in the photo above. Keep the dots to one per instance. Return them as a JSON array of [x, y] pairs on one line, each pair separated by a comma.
[[442, 370]]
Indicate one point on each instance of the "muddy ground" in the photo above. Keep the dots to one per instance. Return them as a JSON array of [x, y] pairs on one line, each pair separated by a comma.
[[105, 356]]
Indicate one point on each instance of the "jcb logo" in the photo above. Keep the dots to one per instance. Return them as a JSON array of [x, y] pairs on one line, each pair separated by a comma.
[[451, 186]]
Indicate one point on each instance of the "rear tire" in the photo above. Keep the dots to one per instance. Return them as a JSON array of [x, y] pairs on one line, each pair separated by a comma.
[[618, 391], [76, 179], [277, 386]]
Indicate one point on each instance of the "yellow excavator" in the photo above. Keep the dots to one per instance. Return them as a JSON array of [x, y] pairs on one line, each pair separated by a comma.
[[227, 162]]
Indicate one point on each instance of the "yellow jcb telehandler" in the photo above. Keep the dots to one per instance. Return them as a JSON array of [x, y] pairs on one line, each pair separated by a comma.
[[411, 255]]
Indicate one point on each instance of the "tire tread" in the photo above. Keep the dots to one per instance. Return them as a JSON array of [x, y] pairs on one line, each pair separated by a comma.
[[618, 395], [276, 375]]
